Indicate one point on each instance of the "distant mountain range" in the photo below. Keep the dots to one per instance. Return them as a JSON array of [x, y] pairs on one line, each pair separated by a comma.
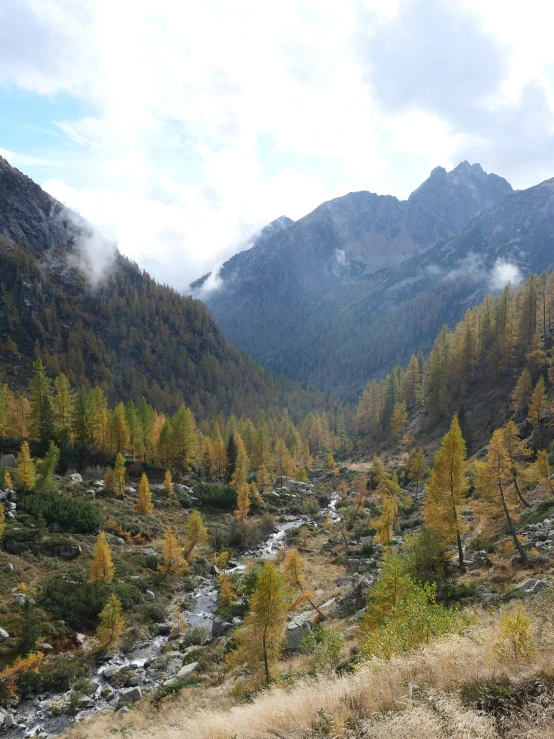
[[68, 296], [326, 299]]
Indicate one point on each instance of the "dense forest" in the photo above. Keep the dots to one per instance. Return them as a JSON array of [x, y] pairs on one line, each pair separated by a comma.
[[132, 337]]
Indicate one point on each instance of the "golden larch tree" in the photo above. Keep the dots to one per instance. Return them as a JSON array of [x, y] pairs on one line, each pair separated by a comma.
[[537, 404], [261, 638], [144, 503], [119, 475], [168, 485], [111, 623], [544, 469], [522, 391], [243, 504], [102, 568], [517, 451], [197, 535], [293, 572], [493, 482], [26, 468], [227, 594], [447, 488], [174, 562]]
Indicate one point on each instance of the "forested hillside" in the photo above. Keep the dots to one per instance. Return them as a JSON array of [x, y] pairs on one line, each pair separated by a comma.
[[124, 331]]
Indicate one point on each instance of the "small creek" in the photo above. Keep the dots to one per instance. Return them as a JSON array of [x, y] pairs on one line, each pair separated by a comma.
[[34, 714]]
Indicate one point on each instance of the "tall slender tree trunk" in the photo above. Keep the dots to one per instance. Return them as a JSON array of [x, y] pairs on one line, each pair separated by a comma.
[[522, 553], [519, 495], [460, 550], [266, 662]]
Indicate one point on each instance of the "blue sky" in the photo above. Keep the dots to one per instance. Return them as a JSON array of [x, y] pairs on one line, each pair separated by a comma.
[[180, 130]]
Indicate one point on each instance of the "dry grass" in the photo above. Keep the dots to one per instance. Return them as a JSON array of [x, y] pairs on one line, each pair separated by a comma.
[[411, 697]]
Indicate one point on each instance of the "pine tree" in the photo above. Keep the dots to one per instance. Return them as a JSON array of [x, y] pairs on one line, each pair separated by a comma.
[[44, 481], [447, 488], [81, 426], [174, 562], [197, 534], [39, 389], [261, 638], [99, 420], [537, 404], [293, 572], [220, 456], [243, 504], [168, 485], [493, 482], [102, 569], [26, 468], [144, 503], [111, 623], [522, 391], [232, 452]]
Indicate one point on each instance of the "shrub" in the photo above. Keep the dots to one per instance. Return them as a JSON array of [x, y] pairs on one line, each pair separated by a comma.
[[516, 635], [215, 496], [72, 514], [323, 645], [77, 603]]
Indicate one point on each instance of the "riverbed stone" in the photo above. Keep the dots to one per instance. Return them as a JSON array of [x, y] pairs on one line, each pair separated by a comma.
[[162, 629], [130, 695], [76, 477], [187, 669]]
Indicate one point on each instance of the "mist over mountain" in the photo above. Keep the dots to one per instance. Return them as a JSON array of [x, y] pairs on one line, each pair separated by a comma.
[[324, 275], [69, 297]]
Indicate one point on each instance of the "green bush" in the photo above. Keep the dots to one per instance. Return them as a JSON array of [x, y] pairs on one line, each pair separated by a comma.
[[57, 673], [77, 603], [215, 496], [72, 514]]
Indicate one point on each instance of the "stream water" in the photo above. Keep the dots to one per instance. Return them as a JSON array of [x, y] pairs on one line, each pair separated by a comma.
[[33, 715]]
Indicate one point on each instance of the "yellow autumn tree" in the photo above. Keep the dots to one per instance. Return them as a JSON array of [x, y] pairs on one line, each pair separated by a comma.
[[241, 465], [492, 481], [399, 420], [447, 489], [144, 503], [197, 534], [522, 391], [384, 525], [243, 504], [261, 638], [111, 623], [119, 475], [168, 485], [26, 468], [537, 404], [293, 572], [330, 461], [227, 594], [174, 563], [102, 568], [8, 483], [545, 469]]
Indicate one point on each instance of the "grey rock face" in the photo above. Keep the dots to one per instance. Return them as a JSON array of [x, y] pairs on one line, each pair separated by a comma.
[[3, 635]]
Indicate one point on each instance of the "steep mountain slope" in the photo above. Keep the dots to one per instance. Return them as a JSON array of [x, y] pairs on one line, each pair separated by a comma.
[[406, 305], [275, 299], [124, 331]]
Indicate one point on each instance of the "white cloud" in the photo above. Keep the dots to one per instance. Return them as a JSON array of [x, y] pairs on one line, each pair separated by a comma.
[[504, 273], [211, 119]]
